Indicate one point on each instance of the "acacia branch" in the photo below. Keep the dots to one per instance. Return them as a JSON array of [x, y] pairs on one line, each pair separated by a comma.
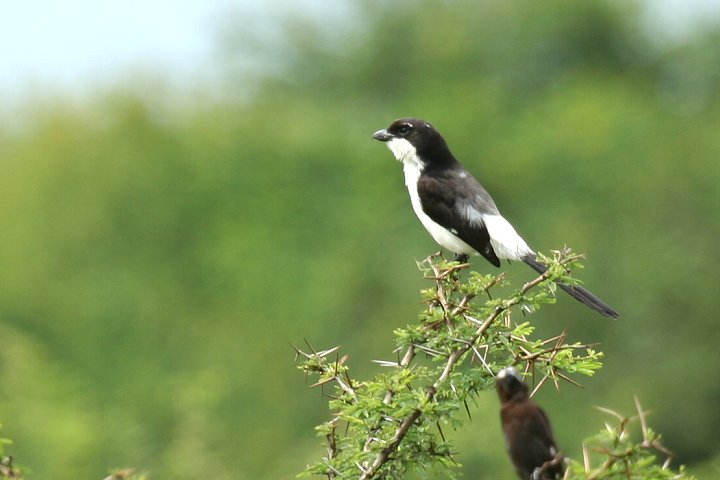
[[449, 306], [627, 454], [384, 455]]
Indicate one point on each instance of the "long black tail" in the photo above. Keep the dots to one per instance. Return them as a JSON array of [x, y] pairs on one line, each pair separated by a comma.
[[578, 293]]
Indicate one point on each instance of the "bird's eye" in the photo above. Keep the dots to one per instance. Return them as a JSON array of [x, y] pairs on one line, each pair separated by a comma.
[[404, 129]]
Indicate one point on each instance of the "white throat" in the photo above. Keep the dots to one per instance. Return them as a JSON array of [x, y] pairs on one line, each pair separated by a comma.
[[402, 149]]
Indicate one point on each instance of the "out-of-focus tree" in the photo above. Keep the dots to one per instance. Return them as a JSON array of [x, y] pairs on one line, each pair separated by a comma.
[[155, 261]]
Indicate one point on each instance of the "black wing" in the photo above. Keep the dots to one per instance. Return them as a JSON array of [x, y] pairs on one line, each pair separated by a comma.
[[445, 198]]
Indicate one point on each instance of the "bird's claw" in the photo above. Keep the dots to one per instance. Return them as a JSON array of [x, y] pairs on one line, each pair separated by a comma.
[[461, 257]]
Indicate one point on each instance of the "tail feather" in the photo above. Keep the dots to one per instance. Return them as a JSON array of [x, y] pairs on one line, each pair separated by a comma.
[[578, 293]]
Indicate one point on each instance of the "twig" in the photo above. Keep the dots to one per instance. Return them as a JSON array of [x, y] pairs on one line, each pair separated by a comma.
[[383, 456]]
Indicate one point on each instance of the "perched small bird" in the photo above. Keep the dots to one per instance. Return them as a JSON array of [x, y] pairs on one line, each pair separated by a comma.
[[528, 437], [455, 209]]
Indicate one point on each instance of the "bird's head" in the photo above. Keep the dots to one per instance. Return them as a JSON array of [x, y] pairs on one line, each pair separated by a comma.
[[409, 137], [510, 385]]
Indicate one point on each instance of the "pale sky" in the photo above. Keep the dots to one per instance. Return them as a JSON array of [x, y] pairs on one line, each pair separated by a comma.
[[70, 44]]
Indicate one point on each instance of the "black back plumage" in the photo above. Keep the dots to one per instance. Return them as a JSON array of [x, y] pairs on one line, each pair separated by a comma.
[[446, 210]]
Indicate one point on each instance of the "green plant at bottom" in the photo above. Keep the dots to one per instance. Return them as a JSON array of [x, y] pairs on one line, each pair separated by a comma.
[[613, 454], [8, 469], [384, 427]]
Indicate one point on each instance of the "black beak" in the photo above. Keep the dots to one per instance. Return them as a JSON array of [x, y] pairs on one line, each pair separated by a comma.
[[382, 135]]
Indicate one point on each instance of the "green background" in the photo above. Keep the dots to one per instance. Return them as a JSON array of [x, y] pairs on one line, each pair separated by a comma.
[[159, 253]]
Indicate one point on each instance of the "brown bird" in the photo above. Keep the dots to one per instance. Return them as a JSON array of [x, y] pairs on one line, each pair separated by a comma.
[[528, 436]]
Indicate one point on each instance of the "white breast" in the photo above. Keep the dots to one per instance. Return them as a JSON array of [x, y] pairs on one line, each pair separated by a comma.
[[443, 236]]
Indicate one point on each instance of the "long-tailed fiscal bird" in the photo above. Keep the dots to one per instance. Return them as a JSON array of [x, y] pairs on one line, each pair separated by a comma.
[[455, 209]]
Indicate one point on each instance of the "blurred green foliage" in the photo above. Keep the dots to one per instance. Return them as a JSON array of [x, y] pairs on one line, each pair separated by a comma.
[[393, 424], [158, 254]]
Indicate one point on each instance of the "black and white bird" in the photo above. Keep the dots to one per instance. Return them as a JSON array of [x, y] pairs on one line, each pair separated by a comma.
[[528, 437], [455, 209]]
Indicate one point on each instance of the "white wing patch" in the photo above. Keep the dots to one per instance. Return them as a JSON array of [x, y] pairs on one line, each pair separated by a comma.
[[504, 239]]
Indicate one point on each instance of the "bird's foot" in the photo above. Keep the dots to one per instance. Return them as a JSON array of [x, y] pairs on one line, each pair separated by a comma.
[[462, 257]]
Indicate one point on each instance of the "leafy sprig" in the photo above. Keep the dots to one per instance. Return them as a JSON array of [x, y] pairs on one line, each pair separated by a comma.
[[394, 422], [613, 454]]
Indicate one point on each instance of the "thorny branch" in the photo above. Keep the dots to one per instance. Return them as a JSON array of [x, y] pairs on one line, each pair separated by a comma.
[[454, 304], [315, 361], [454, 357], [621, 453], [7, 469], [438, 275]]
